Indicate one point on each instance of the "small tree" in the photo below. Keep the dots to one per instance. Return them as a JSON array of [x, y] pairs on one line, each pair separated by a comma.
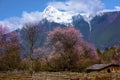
[[116, 57], [9, 50]]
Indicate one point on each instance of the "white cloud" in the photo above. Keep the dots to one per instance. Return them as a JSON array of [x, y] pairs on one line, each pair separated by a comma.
[[15, 22], [30, 17], [12, 23], [85, 6], [117, 7]]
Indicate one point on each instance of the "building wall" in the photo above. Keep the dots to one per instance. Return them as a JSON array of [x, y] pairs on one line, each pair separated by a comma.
[[111, 69]]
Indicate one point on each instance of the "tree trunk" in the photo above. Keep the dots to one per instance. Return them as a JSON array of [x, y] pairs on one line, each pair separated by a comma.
[[31, 61]]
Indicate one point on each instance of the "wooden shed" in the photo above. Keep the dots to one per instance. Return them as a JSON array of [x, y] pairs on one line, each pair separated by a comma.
[[106, 68]]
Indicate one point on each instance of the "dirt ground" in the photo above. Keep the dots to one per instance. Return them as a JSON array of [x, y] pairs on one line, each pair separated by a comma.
[[59, 76]]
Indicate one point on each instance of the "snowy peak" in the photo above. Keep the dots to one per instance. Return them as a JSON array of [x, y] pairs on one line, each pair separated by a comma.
[[87, 17], [53, 15], [101, 13], [50, 10]]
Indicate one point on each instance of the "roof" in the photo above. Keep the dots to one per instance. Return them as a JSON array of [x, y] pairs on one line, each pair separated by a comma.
[[98, 67]]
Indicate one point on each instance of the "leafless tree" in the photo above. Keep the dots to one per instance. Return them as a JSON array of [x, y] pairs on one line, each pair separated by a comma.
[[32, 35]]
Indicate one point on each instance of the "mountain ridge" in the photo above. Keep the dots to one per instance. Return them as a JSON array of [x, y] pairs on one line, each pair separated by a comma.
[[102, 29]]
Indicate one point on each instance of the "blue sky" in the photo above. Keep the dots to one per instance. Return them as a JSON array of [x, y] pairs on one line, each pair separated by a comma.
[[11, 8], [110, 4]]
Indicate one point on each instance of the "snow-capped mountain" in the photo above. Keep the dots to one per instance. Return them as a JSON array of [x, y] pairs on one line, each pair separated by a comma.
[[53, 15], [102, 29]]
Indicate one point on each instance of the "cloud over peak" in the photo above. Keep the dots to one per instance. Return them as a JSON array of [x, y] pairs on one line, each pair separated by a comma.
[[14, 23], [117, 7], [84, 6]]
